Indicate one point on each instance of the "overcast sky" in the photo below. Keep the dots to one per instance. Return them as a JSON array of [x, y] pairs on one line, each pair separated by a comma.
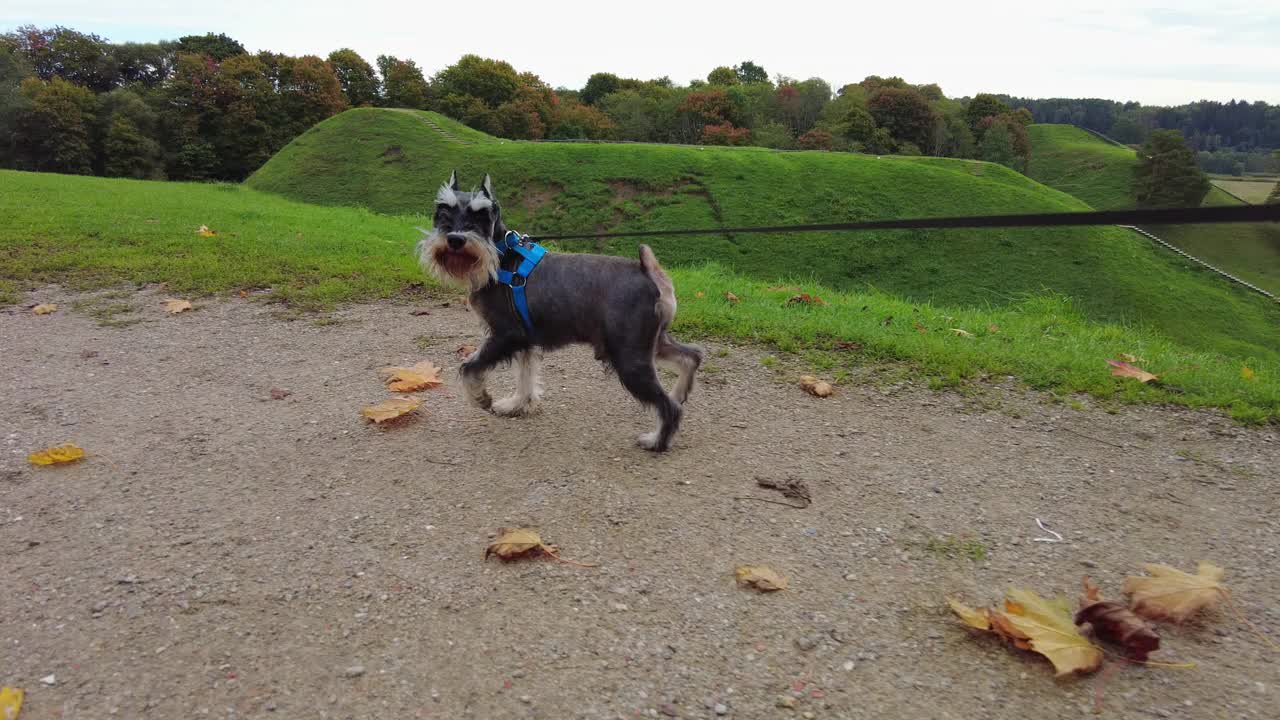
[[1154, 52]]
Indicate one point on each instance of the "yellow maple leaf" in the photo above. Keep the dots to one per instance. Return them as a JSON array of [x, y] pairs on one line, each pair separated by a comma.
[[515, 543], [1175, 595], [816, 387], [412, 379], [391, 408], [204, 231], [64, 453], [1247, 373], [971, 616], [760, 577], [174, 306], [45, 308], [10, 703], [1051, 631]]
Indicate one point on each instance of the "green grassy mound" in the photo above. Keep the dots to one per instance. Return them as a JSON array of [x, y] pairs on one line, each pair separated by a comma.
[[91, 232], [1100, 173], [393, 162]]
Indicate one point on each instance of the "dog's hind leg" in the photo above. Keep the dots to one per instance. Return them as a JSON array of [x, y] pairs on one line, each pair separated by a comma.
[[684, 359], [528, 386], [477, 367], [641, 379]]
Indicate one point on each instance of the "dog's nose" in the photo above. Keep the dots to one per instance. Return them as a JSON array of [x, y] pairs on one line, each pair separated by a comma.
[[456, 240]]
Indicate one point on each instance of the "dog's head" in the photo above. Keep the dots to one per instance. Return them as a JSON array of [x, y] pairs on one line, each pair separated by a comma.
[[460, 247]]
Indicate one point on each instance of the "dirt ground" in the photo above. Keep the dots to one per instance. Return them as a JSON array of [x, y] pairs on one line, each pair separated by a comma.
[[223, 554]]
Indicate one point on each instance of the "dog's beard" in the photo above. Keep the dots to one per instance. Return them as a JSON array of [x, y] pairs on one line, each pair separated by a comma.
[[472, 265]]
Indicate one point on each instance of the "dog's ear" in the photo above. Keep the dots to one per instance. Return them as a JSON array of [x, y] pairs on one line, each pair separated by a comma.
[[453, 181], [486, 187]]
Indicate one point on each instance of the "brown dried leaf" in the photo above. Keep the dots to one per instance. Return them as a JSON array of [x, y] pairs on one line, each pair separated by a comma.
[[45, 308], [962, 333], [733, 299], [1175, 595], [1124, 369], [760, 577], [412, 379], [849, 346], [971, 616], [391, 408], [1114, 622], [279, 393], [816, 387], [64, 453], [1031, 622], [174, 306], [517, 543], [805, 299], [920, 328], [204, 231], [420, 312]]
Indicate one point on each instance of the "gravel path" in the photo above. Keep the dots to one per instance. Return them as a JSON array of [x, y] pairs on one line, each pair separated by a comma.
[[222, 554]]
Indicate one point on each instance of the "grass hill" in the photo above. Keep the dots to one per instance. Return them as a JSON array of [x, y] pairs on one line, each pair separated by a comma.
[[84, 232], [393, 162], [1100, 173]]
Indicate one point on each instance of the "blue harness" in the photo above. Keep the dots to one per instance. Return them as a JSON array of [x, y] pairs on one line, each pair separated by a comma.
[[532, 254]]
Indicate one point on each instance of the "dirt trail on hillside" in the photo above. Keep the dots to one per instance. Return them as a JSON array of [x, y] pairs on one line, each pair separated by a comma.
[[222, 554]]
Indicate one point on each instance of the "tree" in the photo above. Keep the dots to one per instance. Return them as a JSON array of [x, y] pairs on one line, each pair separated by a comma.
[[599, 86], [493, 82], [749, 72], [815, 139], [403, 85], [219, 46], [356, 76], [725, 134], [905, 113], [13, 70], [76, 57], [997, 145], [857, 125], [983, 105], [575, 121], [773, 135], [125, 134], [52, 132], [1167, 174], [723, 76]]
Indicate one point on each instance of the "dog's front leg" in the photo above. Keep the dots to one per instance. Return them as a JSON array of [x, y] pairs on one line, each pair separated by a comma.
[[528, 386], [477, 367]]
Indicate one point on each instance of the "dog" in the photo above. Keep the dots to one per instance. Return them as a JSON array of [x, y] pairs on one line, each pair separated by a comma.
[[622, 308]]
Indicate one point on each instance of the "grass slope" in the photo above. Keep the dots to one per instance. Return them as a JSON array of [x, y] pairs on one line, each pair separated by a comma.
[[92, 232], [393, 162], [1100, 173]]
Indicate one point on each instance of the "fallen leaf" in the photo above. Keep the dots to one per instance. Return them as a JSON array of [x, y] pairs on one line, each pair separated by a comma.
[[760, 577], [733, 299], [174, 306], [993, 328], [816, 387], [514, 544], [64, 453], [850, 346], [699, 294], [243, 294], [391, 408], [420, 312], [204, 231], [971, 616], [412, 379], [961, 333], [45, 308], [10, 703], [1248, 374], [1052, 632], [920, 327], [1115, 622], [465, 351], [1124, 369], [1130, 358], [1031, 622], [805, 299], [279, 393], [1171, 594]]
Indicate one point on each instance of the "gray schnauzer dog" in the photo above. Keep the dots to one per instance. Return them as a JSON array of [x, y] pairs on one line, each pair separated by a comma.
[[621, 308]]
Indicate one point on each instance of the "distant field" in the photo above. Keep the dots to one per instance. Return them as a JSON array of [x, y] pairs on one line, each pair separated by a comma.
[[1251, 191], [1074, 161], [83, 232]]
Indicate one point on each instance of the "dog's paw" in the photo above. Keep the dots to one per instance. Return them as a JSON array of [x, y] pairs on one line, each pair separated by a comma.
[[650, 441], [482, 399], [513, 406]]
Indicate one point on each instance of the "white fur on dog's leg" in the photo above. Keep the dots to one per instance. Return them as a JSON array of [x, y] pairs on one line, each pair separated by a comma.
[[648, 441], [528, 387]]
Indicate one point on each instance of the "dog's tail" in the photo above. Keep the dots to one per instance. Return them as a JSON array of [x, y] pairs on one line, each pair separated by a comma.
[[666, 305]]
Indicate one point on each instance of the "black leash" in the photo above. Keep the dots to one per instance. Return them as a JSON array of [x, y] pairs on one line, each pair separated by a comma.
[[1169, 216]]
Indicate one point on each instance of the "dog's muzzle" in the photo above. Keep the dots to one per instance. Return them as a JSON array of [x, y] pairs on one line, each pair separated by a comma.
[[456, 240]]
